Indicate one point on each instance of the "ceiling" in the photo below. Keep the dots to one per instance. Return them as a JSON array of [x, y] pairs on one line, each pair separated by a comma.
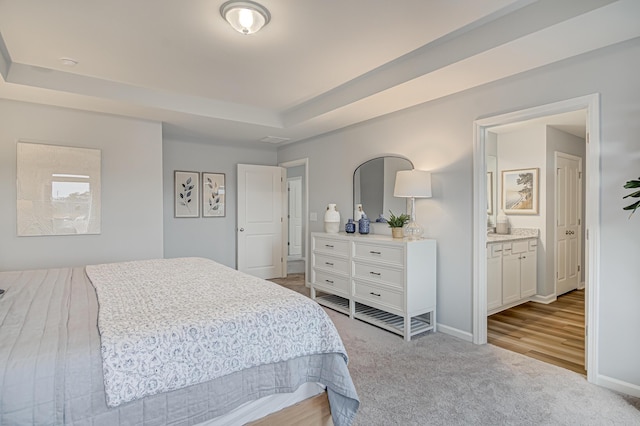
[[318, 66]]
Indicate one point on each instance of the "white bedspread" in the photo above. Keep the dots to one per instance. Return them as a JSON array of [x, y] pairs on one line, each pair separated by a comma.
[[170, 323]]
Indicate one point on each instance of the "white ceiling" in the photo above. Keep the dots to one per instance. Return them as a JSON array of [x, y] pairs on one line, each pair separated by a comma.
[[318, 66]]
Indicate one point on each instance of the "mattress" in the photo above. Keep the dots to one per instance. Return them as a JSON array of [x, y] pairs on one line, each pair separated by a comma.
[[51, 370]]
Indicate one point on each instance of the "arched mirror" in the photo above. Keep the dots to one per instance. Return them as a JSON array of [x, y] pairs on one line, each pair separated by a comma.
[[373, 183]]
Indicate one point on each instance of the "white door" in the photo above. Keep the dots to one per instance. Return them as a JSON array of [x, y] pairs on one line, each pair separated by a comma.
[[295, 216], [260, 220], [568, 222]]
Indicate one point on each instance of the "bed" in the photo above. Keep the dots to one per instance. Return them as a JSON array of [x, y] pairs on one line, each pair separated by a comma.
[[166, 341]]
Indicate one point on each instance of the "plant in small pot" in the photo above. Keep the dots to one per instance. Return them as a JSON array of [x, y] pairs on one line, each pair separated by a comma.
[[396, 223]]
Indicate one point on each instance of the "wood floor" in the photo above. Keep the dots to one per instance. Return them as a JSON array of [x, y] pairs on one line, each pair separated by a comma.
[[553, 333]]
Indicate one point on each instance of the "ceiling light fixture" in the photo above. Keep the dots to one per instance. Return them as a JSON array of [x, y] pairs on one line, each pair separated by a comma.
[[246, 17]]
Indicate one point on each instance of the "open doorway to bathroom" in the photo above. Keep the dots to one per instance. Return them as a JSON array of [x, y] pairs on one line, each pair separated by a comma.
[[541, 323]]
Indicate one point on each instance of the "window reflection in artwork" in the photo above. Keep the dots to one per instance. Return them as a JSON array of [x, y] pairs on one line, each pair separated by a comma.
[[58, 190]]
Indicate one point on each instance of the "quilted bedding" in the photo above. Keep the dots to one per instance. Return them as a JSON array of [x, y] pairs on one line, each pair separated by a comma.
[[51, 370]]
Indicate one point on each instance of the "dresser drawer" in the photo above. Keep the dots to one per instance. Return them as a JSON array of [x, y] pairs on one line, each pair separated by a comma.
[[331, 263], [378, 297], [376, 252], [331, 283], [329, 245], [381, 274]]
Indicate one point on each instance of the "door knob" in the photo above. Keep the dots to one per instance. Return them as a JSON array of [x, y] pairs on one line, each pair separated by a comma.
[[241, 229]]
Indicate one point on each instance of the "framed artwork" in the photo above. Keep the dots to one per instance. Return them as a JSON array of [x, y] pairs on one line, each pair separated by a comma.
[[489, 193], [186, 193], [213, 195], [58, 190], [520, 191]]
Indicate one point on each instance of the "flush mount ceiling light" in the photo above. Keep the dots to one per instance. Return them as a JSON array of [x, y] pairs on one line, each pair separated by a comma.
[[246, 17]]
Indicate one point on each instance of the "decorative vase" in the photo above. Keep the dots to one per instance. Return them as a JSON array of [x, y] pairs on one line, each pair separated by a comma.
[[350, 227], [332, 219], [363, 224], [397, 232]]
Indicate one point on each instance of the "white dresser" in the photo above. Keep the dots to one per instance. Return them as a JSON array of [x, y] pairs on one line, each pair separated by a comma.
[[381, 280]]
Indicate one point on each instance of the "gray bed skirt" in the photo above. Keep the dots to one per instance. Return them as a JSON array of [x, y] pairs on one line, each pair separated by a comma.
[[51, 367]]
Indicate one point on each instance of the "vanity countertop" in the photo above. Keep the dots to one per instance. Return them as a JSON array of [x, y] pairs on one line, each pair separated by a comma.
[[516, 234]]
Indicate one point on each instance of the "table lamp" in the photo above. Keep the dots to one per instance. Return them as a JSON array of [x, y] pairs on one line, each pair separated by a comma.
[[413, 184]]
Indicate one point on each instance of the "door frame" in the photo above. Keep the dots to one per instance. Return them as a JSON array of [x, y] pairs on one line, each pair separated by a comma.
[[305, 220], [591, 220], [580, 160]]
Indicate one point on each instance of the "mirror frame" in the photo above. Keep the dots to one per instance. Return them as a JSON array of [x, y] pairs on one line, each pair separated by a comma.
[[368, 161]]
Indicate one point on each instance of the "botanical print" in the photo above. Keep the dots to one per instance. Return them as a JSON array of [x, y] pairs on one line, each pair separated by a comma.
[[186, 194], [213, 195], [520, 191]]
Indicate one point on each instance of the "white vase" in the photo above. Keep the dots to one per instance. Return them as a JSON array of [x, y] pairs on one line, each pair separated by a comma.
[[331, 219]]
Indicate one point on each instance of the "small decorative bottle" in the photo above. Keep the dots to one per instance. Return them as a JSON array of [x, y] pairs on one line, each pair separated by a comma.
[[350, 227], [331, 219], [363, 224]]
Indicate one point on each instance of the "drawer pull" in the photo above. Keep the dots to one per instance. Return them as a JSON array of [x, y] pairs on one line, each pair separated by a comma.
[[328, 263], [328, 281], [374, 252], [497, 250], [375, 273], [375, 294], [328, 246]]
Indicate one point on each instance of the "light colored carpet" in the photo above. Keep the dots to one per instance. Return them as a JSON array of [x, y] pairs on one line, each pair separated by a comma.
[[437, 379]]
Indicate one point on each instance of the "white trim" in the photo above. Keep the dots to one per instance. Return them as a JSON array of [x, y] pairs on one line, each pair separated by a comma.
[[455, 332], [294, 163], [544, 299], [591, 220], [618, 385]]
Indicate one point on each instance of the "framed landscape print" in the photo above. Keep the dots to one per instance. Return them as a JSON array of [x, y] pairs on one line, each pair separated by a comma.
[[213, 195], [520, 191], [186, 194]]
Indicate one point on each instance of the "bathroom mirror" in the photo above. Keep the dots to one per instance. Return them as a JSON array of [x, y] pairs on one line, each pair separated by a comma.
[[373, 183]]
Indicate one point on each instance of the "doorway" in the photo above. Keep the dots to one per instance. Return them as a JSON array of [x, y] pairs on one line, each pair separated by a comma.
[[297, 217], [591, 220]]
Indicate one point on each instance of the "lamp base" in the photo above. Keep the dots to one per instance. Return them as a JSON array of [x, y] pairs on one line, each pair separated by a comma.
[[413, 230]]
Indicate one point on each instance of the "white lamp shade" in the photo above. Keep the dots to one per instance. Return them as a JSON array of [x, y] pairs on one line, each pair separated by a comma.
[[413, 183], [246, 17]]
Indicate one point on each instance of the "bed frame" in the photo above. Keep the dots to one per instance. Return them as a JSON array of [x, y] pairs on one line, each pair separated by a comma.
[[313, 411]]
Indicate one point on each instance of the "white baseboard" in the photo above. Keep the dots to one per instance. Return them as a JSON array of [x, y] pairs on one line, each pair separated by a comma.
[[618, 385], [466, 336], [544, 299], [581, 286]]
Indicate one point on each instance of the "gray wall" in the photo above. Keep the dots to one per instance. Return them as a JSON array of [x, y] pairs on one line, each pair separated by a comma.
[[131, 186], [211, 237], [438, 136]]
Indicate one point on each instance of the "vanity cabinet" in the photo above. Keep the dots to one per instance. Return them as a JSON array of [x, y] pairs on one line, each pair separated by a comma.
[[511, 273], [384, 281]]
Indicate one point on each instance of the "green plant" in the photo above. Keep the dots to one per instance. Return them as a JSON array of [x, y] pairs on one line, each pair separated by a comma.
[[397, 221], [636, 194]]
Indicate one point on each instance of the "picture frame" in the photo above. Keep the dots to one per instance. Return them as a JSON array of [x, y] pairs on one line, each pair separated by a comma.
[[520, 191], [213, 195], [489, 193], [58, 190], [186, 191]]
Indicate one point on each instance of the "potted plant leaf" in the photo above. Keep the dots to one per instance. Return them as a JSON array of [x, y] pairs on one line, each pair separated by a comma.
[[636, 194], [396, 223]]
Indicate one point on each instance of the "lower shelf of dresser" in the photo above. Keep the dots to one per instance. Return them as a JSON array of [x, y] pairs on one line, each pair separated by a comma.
[[378, 317]]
